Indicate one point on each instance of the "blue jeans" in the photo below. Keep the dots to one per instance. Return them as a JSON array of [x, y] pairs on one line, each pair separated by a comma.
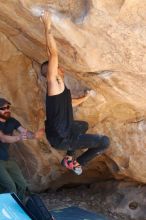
[[78, 139]]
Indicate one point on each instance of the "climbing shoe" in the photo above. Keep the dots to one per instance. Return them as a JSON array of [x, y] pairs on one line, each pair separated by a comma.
[[72, 165]]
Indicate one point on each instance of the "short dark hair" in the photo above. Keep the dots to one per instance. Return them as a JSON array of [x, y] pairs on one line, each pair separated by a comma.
[[44, 68]]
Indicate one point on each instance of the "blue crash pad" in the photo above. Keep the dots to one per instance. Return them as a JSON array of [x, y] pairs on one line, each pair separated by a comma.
[[75, 213], [11, 208]]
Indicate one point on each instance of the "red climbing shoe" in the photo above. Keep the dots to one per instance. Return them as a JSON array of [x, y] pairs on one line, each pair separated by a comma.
[[72, 165]]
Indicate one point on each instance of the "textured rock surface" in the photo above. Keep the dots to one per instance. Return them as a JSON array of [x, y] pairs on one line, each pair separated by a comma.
[[117, 201], [18, 83], [101, 44]]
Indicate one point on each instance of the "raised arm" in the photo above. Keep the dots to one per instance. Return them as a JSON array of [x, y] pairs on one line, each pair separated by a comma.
[[55, 82], [50, 45]]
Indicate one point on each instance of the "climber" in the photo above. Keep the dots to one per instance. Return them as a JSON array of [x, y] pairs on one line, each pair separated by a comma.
[[11, 178], [62, 131]]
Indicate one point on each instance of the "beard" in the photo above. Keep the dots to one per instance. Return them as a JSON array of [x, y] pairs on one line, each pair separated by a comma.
[[5, 115]]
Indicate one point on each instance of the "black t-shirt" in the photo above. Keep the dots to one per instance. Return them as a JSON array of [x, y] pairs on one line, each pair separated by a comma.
[[7, 128], [59, 114]]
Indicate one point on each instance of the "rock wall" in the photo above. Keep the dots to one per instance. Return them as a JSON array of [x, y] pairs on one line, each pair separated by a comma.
[[20, 85], [101, 46]]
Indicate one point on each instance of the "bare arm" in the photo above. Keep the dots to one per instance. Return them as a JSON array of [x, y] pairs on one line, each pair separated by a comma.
[[28, 134], [51, 49], [24, 135], [31, 135], [55, 82], [78, 101], [9, 139]]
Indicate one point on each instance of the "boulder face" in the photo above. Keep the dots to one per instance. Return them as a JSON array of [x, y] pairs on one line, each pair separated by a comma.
[[101, 46]]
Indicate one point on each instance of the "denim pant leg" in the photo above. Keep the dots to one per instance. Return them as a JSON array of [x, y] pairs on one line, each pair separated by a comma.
[[62, 144], [77, 128], [96, 144]]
